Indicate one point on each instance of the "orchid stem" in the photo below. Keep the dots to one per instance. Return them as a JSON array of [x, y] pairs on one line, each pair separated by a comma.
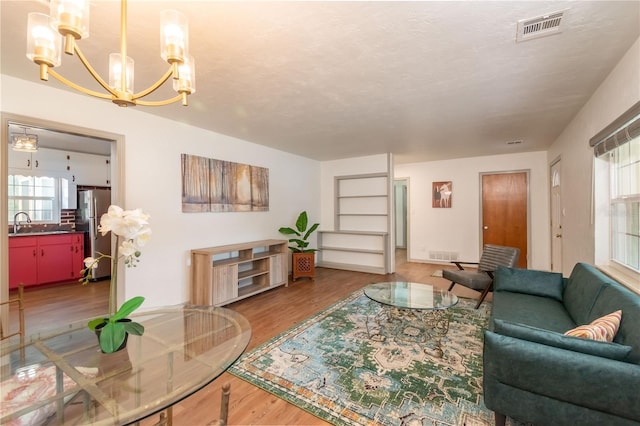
[[114, 281]]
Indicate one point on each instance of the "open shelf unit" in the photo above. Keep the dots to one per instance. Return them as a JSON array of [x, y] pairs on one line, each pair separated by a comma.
[[224, 274], [360, 240], [354, 251]]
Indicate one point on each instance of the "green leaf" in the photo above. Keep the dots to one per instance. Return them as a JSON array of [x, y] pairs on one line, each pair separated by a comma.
[[313, 228], [288, 231], [301, 223], [112, 336], [126, 308], [134, 328], [95, 322], [298, 242]]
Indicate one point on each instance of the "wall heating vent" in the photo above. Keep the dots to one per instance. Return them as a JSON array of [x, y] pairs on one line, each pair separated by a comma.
[[443, 256], [540, 26]]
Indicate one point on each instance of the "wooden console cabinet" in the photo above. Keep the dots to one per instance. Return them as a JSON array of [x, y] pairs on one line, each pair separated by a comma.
[[224, 274]]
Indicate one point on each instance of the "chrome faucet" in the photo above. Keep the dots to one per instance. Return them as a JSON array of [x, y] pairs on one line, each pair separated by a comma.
[[16, 222]]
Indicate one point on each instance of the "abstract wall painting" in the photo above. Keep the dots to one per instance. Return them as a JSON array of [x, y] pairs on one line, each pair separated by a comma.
[[210, 185], [441, 194]]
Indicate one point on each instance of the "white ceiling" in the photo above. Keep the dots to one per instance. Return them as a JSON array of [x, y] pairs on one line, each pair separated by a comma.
[[425, 80]]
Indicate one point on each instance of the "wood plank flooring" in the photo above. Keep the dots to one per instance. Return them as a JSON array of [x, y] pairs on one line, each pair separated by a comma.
[[269, 313]]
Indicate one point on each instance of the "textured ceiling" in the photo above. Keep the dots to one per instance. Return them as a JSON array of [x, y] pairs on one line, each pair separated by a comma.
[[327, 80]]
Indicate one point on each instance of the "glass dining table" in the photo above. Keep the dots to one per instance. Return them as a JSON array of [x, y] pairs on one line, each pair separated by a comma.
[[61, 376]]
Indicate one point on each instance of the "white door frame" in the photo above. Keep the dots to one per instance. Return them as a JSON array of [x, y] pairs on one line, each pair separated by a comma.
[[556, 214], [117, 186]]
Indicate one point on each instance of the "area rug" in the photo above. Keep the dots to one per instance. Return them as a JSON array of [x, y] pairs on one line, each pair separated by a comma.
[[437, 273], [351, 365]]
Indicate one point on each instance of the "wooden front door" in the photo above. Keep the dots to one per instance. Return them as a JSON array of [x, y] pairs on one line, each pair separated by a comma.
[[504, 211]]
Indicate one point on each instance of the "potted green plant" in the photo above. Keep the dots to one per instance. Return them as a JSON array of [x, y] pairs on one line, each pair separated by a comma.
[[303, 257], [131, 228]]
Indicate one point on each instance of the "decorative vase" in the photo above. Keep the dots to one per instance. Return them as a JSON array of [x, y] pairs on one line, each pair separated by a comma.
[[98, 330]]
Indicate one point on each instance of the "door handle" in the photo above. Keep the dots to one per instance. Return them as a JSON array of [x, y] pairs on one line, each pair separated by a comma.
[[558, 235], [485, 227]]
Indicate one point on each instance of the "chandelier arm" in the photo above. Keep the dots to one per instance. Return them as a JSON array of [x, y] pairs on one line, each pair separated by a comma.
[[154, 87], [77, 87], [93, 72], [163, 103]]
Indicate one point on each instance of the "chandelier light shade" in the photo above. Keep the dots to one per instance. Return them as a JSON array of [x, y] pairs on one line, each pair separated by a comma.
[[43, 43], [24, 142], [69, 21], [188, 81]]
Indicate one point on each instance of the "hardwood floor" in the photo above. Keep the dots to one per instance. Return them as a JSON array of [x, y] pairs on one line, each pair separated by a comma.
[[269, 313]]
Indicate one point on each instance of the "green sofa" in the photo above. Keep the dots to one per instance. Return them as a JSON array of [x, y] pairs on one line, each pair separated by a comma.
[[534, 374]]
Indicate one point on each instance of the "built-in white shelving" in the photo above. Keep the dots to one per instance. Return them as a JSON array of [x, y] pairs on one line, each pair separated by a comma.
[[359, 242]]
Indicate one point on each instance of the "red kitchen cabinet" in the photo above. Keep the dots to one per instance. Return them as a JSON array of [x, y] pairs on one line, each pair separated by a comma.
[[23, 261], [45, 259], [54, 258], [77, 255]]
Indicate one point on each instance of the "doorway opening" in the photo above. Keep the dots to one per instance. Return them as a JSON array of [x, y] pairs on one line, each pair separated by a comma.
[[400, 203], [60, 136]]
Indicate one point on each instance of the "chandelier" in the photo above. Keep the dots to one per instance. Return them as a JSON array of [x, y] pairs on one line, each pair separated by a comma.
[[70, 19], [24, 142]]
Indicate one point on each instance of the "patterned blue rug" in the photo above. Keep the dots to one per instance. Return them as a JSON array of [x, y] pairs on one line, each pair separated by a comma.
[[357, 363]]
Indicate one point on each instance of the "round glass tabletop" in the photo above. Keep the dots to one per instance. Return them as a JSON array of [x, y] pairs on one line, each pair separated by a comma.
[[408, 295], [183, 349]]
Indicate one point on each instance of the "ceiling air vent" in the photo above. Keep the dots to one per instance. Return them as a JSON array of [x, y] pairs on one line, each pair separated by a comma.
[[540, 26]]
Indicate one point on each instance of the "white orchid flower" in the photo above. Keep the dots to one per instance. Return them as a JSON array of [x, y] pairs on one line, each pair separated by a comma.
[[91, 262], [129, 250]]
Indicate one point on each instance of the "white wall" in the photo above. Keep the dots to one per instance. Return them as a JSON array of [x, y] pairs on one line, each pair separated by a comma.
[[617, 93], [152, 182], [457, 229]]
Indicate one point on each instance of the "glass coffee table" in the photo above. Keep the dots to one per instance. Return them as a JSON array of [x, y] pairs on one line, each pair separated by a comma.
[[419, 309]]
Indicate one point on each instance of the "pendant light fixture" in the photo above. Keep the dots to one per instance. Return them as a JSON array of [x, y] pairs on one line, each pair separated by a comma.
[[24, 142], [69, 19]]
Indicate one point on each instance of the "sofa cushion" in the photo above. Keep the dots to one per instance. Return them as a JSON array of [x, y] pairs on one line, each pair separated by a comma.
[[616, 297], [602, 329], [538, 283], [536, 311], [583, 287], [550, 338]]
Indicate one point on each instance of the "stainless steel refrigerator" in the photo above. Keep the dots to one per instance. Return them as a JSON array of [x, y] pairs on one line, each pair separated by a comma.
[[92, 204]]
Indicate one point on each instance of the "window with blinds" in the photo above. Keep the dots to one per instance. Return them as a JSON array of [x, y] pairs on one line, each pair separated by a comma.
[[619, 144], [624, 167]]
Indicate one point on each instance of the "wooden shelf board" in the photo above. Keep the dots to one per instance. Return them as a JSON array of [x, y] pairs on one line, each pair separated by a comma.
[[374, 233], [264, 255], [248, 290], [363, 196], [362, 214], [243, 275], [238, 247], [230, 261], [352, 250], [352, 267]]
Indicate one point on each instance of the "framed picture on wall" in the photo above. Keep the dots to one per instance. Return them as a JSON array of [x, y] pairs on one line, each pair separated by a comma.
[[441, 194]]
